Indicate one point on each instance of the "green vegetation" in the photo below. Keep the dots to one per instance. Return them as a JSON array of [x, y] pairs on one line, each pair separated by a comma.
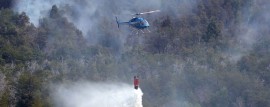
[[197, 61]]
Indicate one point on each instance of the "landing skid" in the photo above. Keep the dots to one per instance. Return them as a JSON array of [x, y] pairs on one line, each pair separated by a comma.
[[140, 30]]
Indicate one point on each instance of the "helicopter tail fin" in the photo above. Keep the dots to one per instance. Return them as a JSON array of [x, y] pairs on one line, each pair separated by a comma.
[[117, 21]]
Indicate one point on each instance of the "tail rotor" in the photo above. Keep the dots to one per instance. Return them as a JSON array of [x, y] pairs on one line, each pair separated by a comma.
[[117, 21]]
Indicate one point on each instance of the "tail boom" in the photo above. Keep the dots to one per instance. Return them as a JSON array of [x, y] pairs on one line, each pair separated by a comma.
[[118, 23]]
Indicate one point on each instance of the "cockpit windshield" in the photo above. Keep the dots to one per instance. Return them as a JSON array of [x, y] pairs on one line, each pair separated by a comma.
[[145, 23]]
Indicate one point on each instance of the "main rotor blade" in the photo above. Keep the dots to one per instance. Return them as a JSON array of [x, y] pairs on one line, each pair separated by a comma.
[[147, 12], [150, 12]]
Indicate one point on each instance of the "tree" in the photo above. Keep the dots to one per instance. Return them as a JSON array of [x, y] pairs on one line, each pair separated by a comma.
[[6, 3], [23, 19], [54, 13], [212, 32], [5, 98], [25, 88]]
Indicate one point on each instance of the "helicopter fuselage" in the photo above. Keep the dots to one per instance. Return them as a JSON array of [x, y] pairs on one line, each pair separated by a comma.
[[138, 22]]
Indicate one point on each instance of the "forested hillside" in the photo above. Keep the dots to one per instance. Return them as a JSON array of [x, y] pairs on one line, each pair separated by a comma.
[[215, 55]]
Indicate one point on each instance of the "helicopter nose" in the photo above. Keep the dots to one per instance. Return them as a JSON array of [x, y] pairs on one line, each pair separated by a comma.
[[146, 24]]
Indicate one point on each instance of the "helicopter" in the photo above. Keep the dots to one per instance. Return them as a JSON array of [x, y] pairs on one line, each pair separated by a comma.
[[136, 22]]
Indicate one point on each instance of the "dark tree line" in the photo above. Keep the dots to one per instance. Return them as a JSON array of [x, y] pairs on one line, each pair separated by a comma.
[[6, 4]]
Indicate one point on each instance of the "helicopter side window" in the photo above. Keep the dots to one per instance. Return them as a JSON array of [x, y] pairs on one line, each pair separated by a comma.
[[141, 23]]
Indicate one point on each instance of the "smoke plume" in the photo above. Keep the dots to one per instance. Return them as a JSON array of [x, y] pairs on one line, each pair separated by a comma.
[[85, 94], [86, 14]]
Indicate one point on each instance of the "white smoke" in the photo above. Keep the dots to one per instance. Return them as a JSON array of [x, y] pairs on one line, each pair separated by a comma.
[[252, 27], [35, 9], [85, 94], [96, 18], [138, 96], [86, 14]]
